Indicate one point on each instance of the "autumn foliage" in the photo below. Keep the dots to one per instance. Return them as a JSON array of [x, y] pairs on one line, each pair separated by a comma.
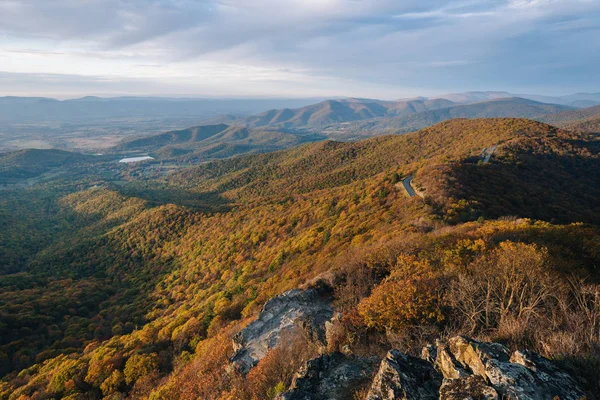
[[409, 296]]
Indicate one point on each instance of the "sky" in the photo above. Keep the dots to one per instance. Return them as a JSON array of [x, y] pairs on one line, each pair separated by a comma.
[[297, 48]]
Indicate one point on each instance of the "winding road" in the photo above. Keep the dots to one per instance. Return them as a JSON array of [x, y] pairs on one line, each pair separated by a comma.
[[487, 153], [406, 182]]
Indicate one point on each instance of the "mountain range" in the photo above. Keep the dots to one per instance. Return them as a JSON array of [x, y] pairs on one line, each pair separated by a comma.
[[574, 100], [344, 119], [586, 119], [502, 107], [113, 288], [347, 119], [39, 109], [206, 142], [343, 111]]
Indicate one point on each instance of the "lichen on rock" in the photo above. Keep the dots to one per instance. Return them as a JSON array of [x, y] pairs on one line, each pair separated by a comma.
[[295, 308]]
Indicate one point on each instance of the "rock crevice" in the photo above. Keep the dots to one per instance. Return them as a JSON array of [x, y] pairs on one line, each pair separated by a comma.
[[305, 309], [472, 370]]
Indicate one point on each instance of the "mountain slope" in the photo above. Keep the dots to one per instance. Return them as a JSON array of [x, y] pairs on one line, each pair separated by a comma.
[[143, 300], [321, 165], [211, 142], [589, 125], [574, 100], [336, 111], [553, 177], [511, 107], [190, 135], [570, 119], [28, 163]]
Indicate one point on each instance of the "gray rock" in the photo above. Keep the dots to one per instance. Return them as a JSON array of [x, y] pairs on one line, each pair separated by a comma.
[[404, 377], [332, 376], [429, 353], [473, 370], [512, 381], [281, 314], [553, 381], [473, 355], [472, 387], [447, 364], [459, 369], [525, 375]]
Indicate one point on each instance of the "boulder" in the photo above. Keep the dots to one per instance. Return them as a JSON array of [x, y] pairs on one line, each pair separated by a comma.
[[524, 375], [332, 376], [553, 381], [447, 364], [295, 308], [457, 369], [473, 370], [513, 381], [401, 376], [472, 387], [472, 355]]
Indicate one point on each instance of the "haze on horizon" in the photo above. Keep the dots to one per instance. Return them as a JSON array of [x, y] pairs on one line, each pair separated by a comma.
[[297, 48]]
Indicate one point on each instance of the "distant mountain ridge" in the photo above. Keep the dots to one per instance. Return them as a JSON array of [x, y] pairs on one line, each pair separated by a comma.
[[338, 111], [208, 142], [28, 163], [501, 107], [35, 109], [575, 119], [347, 119], [335, 118], [574, 100]]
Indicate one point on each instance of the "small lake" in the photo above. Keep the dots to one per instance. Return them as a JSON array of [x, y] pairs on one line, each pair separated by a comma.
[[136, 159]]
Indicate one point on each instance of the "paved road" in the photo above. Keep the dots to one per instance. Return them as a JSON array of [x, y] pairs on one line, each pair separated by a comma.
[[491, 151], [406, 182]]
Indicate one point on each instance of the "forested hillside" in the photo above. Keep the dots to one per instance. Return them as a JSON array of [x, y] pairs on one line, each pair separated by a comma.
[[503, 107], [32, 162], [589, 125], [119, 290], [567, 119], [345, 110]]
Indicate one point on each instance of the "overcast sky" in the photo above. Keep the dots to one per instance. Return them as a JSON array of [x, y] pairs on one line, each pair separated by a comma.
[[297, 48]]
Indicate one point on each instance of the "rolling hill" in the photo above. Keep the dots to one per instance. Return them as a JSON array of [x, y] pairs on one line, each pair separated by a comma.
[[530, 157], [584, 119], [573, 100], [120, 297], [23, 164], [201, 143], [511, 107], [336, 111], [589, 125], [190, 135]]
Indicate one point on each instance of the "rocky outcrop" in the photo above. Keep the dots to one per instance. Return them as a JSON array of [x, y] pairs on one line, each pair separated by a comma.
[[472, 370], [473, 355], [524, 375], [469, 387], [457, 369], [332, 376], [401, 376], [305, 309]]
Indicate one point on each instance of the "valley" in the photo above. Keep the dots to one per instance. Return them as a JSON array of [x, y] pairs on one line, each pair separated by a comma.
[[299, 200], [132, 278]]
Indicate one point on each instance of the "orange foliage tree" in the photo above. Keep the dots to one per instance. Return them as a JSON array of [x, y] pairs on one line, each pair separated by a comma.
[[408, 297]]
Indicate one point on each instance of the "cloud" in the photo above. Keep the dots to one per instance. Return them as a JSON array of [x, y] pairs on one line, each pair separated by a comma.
[[402, 46]]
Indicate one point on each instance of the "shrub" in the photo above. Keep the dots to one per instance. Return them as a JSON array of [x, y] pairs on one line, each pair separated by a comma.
[[140, 365], [408, 297]]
